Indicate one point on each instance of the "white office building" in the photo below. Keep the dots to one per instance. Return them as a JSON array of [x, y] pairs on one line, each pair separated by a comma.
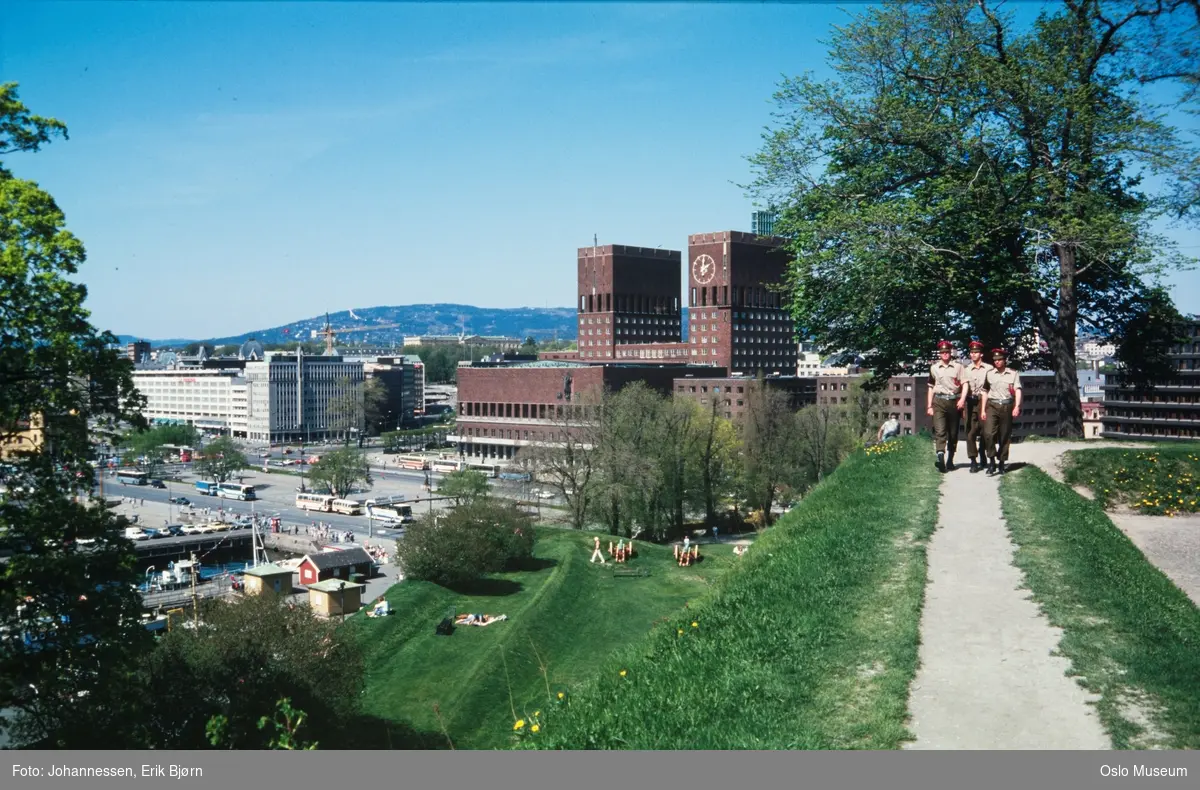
[[290, 395], [208, 399]]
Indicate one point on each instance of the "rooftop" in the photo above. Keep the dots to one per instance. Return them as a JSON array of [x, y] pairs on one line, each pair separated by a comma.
[[334, 585], [339, 559], [270, 569]]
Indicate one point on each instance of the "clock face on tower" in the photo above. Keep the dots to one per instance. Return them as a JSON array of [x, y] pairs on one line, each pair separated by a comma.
[[704, 268]]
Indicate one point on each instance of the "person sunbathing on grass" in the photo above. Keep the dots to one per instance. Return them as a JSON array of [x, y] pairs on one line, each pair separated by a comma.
[[479, 619]]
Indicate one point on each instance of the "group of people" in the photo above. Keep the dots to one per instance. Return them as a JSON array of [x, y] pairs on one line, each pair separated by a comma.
[[988, 396]]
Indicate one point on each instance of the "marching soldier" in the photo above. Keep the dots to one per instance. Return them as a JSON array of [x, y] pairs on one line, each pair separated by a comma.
[[947, 396], [1002, 402], [976, 373]]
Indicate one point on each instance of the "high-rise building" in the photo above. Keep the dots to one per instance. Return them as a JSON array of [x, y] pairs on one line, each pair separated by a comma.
[[762, 223], [1171, 410], [627, 296], [291, 394], [138, 351], [736, 312]]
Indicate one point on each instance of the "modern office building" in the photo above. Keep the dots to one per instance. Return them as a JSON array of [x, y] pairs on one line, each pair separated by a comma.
[[209, 399], [291, 394], [1169, 410], [736, 312], [762, 223], [403, 380]]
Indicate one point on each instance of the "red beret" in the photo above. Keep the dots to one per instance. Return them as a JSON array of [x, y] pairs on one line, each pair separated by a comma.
[[975, 345], [945, 345], [999, 352]]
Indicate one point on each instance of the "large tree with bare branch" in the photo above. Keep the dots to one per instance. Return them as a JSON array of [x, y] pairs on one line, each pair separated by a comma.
[[964, 177]]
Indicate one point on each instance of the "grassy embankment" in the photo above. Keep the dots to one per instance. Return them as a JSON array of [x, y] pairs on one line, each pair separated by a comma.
[[811, 644], [1162, 481], [568, 615], [1132, 636]]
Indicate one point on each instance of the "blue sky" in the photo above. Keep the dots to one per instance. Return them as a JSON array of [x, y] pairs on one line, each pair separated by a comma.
[[234, 166]]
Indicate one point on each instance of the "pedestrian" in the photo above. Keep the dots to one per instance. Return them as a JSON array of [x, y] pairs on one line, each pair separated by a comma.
[[976, 374], [947, 396], [597, 554], [889, 430], [1002, 404]]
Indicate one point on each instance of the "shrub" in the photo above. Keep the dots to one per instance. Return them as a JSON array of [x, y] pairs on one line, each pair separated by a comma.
[[460, 545]]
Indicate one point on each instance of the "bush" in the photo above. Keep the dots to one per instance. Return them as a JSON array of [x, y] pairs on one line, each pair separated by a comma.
[[460, 545]]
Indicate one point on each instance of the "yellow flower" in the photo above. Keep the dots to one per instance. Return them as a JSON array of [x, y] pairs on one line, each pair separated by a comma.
[[622, 673], [534, 728], [681, 632], [695, 624], [536, 713], [520, 723], [560, 695]]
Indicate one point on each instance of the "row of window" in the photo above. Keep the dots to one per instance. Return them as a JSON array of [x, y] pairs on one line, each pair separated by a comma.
[[521, 411]]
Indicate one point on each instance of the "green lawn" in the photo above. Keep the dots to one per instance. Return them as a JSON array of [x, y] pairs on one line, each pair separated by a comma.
[[1162, 481], [811, 644], [571, 613], [1132, 635]]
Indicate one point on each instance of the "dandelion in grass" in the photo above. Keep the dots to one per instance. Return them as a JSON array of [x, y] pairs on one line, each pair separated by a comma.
[[519, 725], [536, 728], [622, 673], [695, 624], [680, 632], [561, 695]]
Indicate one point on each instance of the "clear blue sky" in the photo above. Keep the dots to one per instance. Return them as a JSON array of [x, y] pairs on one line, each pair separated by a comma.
[[234, 166]]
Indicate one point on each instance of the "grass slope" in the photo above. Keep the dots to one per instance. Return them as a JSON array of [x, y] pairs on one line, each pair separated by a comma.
[[1129, 632], [811, 644], [1162, 481], [569, 614]]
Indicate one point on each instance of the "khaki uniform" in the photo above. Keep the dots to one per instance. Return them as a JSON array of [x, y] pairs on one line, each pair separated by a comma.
[[1001, 391], [946, 380], [975, 382]]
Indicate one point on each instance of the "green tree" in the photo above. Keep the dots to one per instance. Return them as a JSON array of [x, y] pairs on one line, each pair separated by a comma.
[[222, 460], [712, 449], [151, 443], [565, 462], [529, 347], [626, 457], [962, 177], [69, 614], [377, 412], [464, 486], [247, 655], [769, 446], [457, 547], [340, 472]]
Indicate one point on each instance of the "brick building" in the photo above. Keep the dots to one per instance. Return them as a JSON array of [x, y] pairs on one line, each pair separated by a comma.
[[737, 317], [502, 408], [627, 295], [729, 393], [1171, 410]]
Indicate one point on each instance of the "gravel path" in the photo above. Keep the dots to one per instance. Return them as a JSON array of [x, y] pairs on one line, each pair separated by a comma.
[[988, 676]]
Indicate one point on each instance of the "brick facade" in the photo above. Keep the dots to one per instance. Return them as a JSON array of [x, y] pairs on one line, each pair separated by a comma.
[[730, 392], [626, 295]]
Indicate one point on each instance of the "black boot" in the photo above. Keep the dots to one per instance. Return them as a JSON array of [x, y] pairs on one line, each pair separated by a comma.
[[991, 466], [949, 463], [974, 466], [1002, 469], [941, 462]]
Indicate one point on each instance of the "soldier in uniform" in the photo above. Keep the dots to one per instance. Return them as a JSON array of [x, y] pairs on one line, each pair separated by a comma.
[[1002, 402], [976, 373], [947, 396]]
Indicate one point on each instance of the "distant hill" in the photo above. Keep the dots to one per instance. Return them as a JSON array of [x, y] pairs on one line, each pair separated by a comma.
[[388, 325]]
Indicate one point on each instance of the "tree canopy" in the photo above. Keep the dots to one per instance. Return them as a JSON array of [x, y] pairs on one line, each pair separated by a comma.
[[222, 460], [962, 177], [340, 471]]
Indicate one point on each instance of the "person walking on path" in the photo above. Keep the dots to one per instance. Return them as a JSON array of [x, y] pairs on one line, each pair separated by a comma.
[[1002, 404], [947, 396], [597, 554], [976, 373]]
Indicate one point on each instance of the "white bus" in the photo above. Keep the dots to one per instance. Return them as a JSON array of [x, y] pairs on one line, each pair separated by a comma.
[[132, 477], [347, 507], [397, 513], [319, 502], [445, 466], [488, 470], [236, 491], [384, 501]]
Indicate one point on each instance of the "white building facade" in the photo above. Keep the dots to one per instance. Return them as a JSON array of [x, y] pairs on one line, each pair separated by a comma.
[[290, 394], [207, 399]]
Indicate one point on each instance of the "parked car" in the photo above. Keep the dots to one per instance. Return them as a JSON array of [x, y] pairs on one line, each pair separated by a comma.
[[155, 533], [157, 484], [174, 530], [136, 533], [191, 529], [179, 500]]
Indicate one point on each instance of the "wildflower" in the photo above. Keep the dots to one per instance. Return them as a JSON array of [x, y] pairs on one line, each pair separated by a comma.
[[695, 624], [622, 673], [536, 713], [535, 728], [561, 695], [681, 632], [519, 725]]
